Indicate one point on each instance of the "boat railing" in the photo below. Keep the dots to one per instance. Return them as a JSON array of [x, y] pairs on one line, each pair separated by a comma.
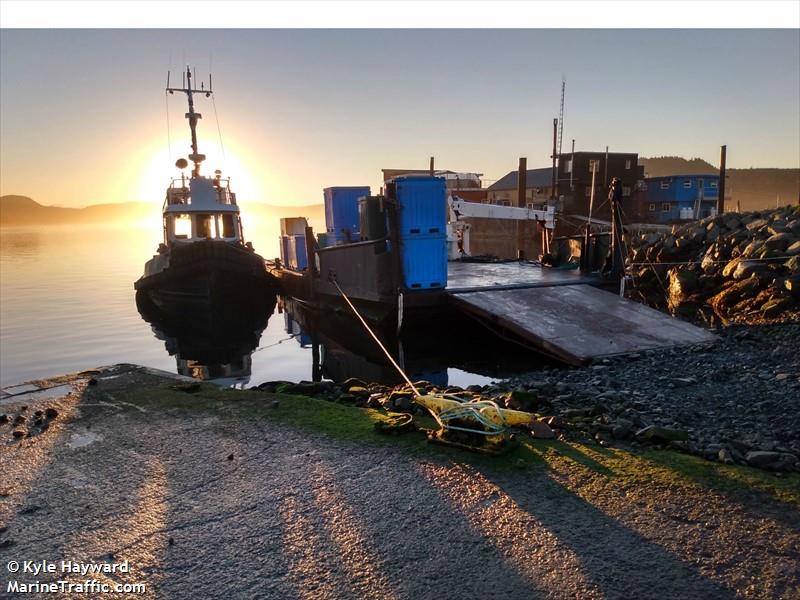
[[178, 192]]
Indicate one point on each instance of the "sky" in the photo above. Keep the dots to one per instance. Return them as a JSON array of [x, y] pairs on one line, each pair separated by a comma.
[[84, 118]]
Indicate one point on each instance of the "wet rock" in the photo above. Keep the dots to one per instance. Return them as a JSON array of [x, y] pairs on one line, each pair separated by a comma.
[[51, 413], [725, 456], [18, 434], [557, 422], [771, 461], [19, 419], [779, 241], [271, 386], [661, 435], [522, 400], [622, 429], [541, 430], [577, 413], [3, 419], [304, 388], [230, 456]]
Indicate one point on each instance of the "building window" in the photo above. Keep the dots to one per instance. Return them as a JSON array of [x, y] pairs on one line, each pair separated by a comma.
[[687, 183], [504, 203], [665, 207], [626, 191], [652, 207], [568, 166], [714, 184], [665, 184], [627, 165], [529, 206]]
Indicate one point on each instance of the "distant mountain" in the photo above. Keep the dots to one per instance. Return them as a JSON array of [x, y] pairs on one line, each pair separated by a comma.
[[21, 210], [754, 189]]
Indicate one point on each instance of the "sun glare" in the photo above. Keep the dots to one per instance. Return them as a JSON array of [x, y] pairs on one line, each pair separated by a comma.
[[157, 173]]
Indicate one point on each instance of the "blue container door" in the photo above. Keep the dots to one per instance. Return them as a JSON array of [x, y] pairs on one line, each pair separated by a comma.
[[285, 250], [425, 262], [298, 250], [423, 205]]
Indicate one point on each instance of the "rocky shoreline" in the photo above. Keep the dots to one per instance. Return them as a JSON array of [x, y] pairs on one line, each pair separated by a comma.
[[735, 401], [730, 268]]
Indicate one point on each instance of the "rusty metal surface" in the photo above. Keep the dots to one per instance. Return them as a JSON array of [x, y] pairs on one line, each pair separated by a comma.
[[580, 323]]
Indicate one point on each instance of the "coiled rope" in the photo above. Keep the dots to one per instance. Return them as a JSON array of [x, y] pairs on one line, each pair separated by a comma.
[[465, 410]]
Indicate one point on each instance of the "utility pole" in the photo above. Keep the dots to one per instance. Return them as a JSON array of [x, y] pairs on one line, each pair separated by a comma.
[[721, 201], [553, 193], [572, 168], [522, 184]]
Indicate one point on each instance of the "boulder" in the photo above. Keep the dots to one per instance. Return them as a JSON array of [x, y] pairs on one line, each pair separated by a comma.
[[661, 435], [541, 430], [527, 401], [779, 241], [771, 461]]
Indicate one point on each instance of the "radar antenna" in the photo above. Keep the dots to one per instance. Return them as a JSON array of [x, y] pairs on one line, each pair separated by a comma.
[[561, 114], [193, 116]]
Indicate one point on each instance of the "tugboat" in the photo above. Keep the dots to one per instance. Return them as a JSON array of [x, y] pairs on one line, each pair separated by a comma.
[[203, 260]]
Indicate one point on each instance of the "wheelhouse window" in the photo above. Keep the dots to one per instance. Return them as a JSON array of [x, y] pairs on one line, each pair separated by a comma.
[[227, 226], [206, 226], [182, 227]]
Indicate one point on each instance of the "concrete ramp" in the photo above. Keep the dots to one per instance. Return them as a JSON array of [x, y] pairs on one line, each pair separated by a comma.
[[579, 323]]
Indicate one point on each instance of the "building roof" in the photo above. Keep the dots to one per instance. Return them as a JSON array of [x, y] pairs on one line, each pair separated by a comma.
[[596, 153], [695, 175], [535, 178]]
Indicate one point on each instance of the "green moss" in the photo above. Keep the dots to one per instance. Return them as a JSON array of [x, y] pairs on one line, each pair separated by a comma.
[[656, 467]]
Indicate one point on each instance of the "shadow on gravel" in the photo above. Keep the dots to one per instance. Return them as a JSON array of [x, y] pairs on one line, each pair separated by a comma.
[[620, 561], [758, 492]]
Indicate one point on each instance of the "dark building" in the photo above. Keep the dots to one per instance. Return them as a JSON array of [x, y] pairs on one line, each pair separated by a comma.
[[575, 181]]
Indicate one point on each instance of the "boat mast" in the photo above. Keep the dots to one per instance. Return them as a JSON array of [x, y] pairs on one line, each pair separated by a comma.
[[193, 117]]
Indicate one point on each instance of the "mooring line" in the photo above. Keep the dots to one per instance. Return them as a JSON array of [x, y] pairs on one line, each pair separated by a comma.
[[375, 337]]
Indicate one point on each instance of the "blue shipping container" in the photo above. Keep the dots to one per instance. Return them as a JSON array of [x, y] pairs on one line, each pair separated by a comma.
[[341, 211], [425, 262], [423, 205], [298, 260]]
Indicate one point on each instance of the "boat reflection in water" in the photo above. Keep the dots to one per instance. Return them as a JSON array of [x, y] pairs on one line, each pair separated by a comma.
[[341, 349], [207, 344]]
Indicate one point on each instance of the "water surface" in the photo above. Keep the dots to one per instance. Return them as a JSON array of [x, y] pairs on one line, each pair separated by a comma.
[[67, 304]]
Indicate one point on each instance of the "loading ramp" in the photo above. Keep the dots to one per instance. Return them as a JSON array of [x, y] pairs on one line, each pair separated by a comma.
[[578, 324]]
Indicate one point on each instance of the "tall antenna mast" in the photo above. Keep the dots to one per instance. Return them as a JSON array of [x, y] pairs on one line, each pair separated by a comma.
[[193, 117], [561, 114]]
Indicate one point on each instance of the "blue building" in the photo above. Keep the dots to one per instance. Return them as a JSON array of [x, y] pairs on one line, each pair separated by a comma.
[[678, 197]]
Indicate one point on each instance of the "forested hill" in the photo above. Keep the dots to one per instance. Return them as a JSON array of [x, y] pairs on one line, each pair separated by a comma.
[[21, 210]]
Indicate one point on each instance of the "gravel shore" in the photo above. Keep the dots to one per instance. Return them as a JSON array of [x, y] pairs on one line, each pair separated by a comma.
[[733, 398]]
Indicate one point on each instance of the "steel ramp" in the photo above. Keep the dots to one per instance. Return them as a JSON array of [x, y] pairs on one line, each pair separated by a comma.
[[578, 323]]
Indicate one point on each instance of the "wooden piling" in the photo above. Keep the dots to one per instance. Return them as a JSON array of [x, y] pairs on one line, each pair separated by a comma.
[[522, 184], [721, 201]]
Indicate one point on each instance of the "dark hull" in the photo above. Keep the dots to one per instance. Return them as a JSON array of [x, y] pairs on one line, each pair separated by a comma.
[[208, 276]]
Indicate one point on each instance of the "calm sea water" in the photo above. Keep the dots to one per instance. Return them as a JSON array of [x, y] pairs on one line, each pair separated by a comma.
[[67, 304]]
